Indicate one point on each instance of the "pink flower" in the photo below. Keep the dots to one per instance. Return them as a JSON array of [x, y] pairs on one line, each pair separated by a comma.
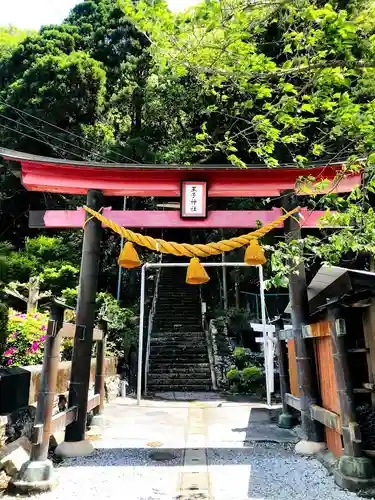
[[10, 351], [34, 347], [14, 335], [10, 361], [35, 316], [42, 338], [43, 328]]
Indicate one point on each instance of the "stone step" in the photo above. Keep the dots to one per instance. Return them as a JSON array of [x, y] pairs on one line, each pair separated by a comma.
[[179, 340], [170, 309], [178, 359], [157, 376], [177, 329], [189, 369], [179, 388], [171, 333], [181, 307], [181, 336], [167, 293], [157, 346], [177, 319], [172, 296], [172, 325], [176, 351]]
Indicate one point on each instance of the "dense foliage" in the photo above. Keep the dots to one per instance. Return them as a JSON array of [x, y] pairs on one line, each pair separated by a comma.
[[286, 82], [231, 81]]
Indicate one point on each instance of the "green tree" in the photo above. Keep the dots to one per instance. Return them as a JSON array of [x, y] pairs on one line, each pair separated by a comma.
[[288, 82], [44, 268], [10, 37]]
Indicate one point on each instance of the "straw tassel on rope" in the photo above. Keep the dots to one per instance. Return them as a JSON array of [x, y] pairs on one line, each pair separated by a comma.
[[254, 255], [129, 257], [196, 273]]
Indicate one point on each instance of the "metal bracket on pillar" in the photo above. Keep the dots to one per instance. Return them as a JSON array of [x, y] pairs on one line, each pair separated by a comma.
[[81, 332], [286, 334], [355, 432], [340, 327], [51, 329], [307, 332]]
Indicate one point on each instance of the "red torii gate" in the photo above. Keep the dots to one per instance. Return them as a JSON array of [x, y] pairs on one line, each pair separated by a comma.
[[98, 180], [73, 177]]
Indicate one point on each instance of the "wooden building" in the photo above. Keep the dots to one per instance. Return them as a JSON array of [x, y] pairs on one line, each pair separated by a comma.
[[341, 331]]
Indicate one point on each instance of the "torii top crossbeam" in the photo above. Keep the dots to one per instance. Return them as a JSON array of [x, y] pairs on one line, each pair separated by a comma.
[[53, 175]]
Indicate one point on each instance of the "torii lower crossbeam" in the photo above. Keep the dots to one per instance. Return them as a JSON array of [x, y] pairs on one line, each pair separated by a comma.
[[169, 219]]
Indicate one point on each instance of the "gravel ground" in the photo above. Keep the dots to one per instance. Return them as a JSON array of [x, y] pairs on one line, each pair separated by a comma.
[[237, 467], [270, 471]]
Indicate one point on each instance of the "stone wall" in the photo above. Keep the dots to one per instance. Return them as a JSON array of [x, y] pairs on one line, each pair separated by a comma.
[[63, 376], [221, 353], [20, 422]]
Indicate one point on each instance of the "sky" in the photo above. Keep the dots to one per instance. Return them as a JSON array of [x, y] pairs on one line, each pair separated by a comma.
[[31, 14]]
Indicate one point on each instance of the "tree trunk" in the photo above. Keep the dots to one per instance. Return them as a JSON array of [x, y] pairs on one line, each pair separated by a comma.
[[34, 291]]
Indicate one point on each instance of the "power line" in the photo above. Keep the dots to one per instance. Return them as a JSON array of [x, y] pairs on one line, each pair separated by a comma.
[[39, 140], [52, 136], [65, 131]]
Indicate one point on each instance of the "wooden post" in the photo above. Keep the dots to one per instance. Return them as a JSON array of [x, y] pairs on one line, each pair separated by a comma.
[[81, 362], [307, 377], [37, 475], [355, 471], [349, 428], [47, 392], [100, 369], [286, 418]]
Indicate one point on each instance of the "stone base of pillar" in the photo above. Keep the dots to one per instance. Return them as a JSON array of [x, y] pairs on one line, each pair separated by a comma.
[[309, 448], [35, 477], [70, 449], [355, 473], [286, 421], [98, 421]]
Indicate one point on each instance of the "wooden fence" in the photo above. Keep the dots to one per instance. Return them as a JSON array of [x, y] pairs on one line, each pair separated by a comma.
[[329, 413]]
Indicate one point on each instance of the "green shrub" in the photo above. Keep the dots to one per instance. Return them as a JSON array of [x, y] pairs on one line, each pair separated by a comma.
[[233, 375], [246, 381], [240, 357], [250, 379], [25, 339], [3, 327], [234, 380], [120, 321]]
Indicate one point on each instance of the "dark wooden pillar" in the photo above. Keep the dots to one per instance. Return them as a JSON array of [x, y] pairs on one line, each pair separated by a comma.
[[81, 362], [355, 471], [307, 377], [286, 418], [350, 430], [47, 392], [37, 475]]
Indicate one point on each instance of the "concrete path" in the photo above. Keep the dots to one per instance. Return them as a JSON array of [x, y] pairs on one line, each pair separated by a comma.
[[173, 450]]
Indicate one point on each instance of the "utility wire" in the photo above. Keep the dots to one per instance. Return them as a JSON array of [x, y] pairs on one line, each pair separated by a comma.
[[39, 140], [65, 131], [51, 136]]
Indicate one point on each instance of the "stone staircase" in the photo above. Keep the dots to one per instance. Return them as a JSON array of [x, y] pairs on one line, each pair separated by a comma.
[[178, 349]]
